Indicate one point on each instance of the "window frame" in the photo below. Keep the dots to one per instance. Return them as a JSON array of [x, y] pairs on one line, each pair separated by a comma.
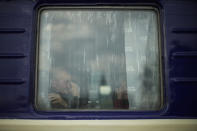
[[130, 7]]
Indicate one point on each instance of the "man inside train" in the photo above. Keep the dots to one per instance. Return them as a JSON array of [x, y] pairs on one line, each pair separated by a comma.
[[64, 93]]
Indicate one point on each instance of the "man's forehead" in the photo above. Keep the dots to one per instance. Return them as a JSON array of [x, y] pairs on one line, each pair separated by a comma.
[[61, 75]]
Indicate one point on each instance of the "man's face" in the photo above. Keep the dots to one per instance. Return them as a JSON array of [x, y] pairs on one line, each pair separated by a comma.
[[61, 83]]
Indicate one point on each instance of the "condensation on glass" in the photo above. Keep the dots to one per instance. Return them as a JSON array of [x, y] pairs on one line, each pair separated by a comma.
[[98, 59]]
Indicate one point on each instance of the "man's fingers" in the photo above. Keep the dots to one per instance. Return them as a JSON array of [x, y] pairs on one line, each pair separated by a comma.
[[52, 98], [54, 101]]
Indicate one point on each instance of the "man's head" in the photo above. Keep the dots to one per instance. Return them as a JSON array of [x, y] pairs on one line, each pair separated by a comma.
[[61, 81]]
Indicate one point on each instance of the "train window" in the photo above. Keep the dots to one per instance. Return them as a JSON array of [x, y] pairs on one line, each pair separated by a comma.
[[98, 59]]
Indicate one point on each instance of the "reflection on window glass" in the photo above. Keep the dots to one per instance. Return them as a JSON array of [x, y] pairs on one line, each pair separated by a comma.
[[98, 59]]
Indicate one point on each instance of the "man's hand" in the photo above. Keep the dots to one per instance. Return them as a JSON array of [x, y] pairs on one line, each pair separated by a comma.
[[57, 99]]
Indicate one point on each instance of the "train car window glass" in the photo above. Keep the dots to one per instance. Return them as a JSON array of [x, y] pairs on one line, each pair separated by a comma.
[[98, 59]]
